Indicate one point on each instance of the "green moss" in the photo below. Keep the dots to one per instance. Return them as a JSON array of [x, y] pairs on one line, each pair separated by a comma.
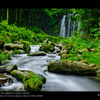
[[32, 82], [26, 46], [70, 67], [47, 48], [16, 51]]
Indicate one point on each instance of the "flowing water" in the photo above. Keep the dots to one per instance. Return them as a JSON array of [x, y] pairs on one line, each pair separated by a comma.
[[63, 27], [54, 82], [68, 26]]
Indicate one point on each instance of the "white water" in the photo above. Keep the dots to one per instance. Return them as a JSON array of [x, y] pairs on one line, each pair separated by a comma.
[[68, 27], [54, 82], [63, 27]]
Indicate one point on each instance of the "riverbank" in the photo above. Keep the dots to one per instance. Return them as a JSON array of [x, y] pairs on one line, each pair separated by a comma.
[[83, 52]]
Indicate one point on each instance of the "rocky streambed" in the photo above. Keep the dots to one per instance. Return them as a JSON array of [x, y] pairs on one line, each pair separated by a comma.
[[41, 70]]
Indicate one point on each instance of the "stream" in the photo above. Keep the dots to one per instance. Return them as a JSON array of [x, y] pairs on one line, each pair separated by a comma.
[[54, 82]]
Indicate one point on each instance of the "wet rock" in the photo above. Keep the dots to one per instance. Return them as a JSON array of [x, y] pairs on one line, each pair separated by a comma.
[[20, 74], [71, 67], [37, 53], [11, 46], [4, 79], [47, 48], [57, 49], [60, 45], [85, 50], [32, 82], [8, 68]]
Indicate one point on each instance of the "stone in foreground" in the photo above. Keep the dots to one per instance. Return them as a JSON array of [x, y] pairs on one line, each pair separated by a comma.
[[39, 53], [32, 82], [71, 67]]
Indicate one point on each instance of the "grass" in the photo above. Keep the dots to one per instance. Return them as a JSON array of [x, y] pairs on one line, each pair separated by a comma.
[[82, 43], [34, 35]]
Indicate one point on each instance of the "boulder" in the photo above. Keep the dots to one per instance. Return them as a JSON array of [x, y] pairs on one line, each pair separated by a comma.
[[8, 68], [60, 45], [37, 53], [4, 79], [65, 49], [57, 49], [82, 50], [32, 82], [71, 67], [24, 45], [64, 56], [47, 48], [85, 50], [11, 46]]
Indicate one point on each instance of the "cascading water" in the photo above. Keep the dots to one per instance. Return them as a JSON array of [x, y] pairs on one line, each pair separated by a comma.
[[63, 27], [54, 82], [68, 27]]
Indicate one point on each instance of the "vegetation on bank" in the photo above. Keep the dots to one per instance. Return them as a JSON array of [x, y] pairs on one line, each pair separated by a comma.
[[11, 33]]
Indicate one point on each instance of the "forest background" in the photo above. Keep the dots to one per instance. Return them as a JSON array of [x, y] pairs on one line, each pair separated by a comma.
[[35, 25]]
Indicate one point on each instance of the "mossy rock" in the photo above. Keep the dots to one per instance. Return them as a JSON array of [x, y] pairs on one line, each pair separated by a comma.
[[24, 45], [11, 46], [47, 48], [64, 56], [71, 67], [39, 53], [32, 82]]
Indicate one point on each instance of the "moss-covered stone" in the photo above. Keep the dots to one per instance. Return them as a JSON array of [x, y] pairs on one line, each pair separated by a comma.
[[39, 53], [64, 56], [11, 46], [47, 48], [24, 45], [32, 82], [71, 67]]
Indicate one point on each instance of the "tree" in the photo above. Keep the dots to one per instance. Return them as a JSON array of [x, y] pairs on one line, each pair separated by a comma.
[[7, 15], [89, 19]]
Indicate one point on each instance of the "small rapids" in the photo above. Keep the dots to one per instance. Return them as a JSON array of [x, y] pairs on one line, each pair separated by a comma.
[[54, 82]]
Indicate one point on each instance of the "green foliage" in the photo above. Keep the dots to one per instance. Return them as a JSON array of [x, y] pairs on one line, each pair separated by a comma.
[[4, 56], [16, 51], [26, 47], [89, 19], [33, 83]]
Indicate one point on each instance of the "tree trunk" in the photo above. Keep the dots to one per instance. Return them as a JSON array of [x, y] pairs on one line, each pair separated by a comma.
[[7, 15], [20, 17], [16, 16]]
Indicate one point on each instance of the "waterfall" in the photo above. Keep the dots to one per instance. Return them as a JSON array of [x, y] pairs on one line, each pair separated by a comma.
[[68, 28], [63, 27]]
